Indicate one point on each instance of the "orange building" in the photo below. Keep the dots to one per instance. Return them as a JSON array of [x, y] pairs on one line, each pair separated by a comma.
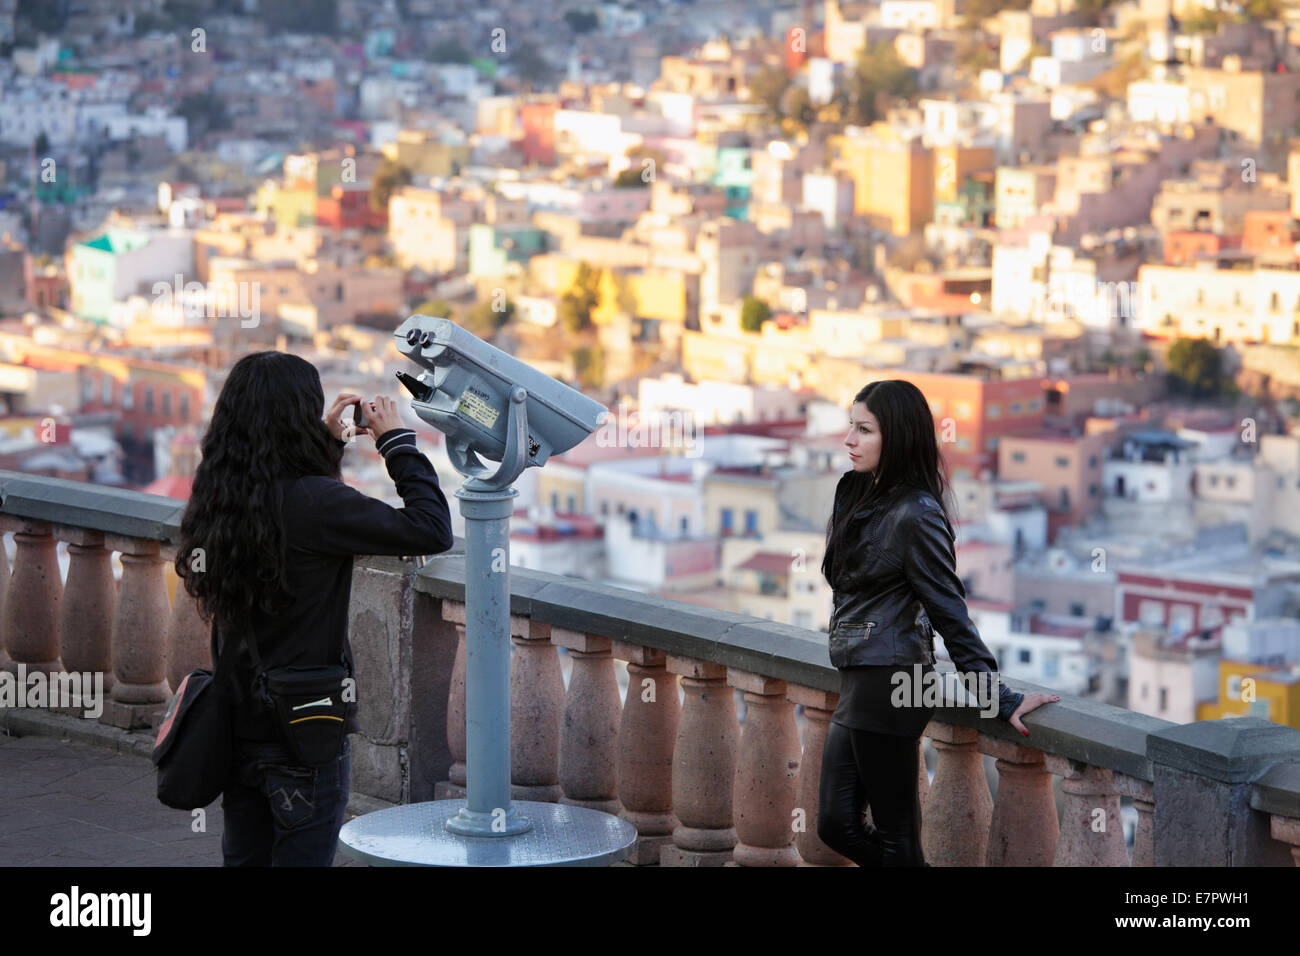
[[972, 414], [538, 121], [1270, 234]]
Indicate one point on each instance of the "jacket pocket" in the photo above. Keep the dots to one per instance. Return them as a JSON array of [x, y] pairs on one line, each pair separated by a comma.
[[847, 639]]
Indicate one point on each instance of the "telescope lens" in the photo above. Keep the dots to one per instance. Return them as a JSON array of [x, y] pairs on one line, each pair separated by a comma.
[[413, 336], [426, 340]]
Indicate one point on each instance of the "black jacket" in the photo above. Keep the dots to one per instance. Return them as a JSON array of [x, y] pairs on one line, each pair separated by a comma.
[[896, 576], [326, 524]]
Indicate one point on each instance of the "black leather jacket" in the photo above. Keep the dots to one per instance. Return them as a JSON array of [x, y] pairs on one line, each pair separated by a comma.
[[898, 575]]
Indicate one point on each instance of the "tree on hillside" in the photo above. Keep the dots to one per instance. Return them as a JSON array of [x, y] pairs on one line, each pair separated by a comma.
[[448, 50], [589, 365], [1195, 368], [753, 313], [580, 299], [766, 89], [438, 308], [977, 11], [878, 76], [389, 177], [485, 321]]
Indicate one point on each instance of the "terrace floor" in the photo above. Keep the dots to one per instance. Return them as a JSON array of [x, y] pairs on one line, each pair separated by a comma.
[[67, 803]]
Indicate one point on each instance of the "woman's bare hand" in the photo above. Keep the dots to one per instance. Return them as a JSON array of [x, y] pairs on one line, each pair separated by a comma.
[[1031, 702], [382, 416], [340, 429]]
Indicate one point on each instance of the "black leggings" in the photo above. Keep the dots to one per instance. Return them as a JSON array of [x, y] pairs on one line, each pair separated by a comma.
[[860, 769]]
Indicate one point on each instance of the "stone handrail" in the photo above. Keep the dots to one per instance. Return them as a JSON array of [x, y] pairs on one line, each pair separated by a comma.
[[702, 786]]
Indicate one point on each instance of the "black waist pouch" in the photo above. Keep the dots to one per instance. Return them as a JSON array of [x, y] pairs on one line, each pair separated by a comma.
[[310, 712]]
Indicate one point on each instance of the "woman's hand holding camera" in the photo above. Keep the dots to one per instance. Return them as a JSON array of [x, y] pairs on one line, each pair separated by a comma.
[[340, 429], [380, 415]]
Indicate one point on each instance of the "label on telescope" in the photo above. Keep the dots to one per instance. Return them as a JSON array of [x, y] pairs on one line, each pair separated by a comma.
[[472, 405]]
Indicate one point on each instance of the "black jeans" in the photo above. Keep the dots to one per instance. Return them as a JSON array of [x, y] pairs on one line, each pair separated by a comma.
[[860, 769], [279, 814]]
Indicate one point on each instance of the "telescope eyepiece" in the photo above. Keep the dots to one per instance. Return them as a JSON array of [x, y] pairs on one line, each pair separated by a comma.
[[413, 336], [426, 339]]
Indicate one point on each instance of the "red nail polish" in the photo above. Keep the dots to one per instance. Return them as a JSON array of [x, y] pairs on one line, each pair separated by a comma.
[[1025, 732]]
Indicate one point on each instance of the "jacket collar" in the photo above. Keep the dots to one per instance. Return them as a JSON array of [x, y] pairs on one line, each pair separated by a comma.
[[888, 498]]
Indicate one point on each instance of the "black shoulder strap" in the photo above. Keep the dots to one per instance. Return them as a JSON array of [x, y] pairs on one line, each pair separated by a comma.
[[224, 657], [246, 636]]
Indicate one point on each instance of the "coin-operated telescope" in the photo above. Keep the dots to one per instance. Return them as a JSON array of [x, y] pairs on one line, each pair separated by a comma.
[[493, 406], [490, 403]]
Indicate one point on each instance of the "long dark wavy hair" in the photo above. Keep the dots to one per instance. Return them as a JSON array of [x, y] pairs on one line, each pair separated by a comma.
[[909, 458], [267, 425]]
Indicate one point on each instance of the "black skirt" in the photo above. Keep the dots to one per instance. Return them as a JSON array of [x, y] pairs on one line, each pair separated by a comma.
[[872, 698]]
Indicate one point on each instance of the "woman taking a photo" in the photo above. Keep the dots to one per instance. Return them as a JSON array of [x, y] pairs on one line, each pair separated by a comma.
[[891, 564], [278, 530]]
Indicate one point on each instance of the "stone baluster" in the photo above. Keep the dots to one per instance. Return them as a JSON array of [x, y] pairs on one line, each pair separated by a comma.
[[139, 645], [1091, 831], [189, 638], [818, 705], [645, 750], [959, 807], [536, 709], [1024, 829], [454, 786], [1284, 830], [767, 774], [1144, 802], [86, 610], [704, 766], [31, 613], [589, 740], [4, 588]]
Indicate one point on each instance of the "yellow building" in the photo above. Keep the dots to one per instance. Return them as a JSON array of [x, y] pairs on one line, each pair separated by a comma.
[[953, 164], [658, 295], [1252, 690], [288, 206], [425, 156], [893, 178]]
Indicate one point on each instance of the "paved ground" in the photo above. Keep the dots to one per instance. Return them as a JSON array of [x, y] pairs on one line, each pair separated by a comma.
[[65, 803]]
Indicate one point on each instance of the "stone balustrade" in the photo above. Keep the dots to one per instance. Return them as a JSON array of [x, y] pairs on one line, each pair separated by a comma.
[[702, 752]]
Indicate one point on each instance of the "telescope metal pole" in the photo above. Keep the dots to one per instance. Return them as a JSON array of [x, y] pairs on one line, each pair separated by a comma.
[[488, 810]]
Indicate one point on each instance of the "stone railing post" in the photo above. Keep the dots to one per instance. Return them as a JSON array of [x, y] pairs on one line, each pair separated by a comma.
[[704, 766], [1144, 802], [189, 639], [1092, 833], [454, 787], [1203, 778], [1024, 828], [959, 807], [645, 749], [86, 611], [536, 709], [31, 613], [589, 740], [139, 647], [818, 705], [767, 774]]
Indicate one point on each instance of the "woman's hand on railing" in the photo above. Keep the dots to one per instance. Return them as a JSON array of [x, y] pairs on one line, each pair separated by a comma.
[[1031, 702]]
